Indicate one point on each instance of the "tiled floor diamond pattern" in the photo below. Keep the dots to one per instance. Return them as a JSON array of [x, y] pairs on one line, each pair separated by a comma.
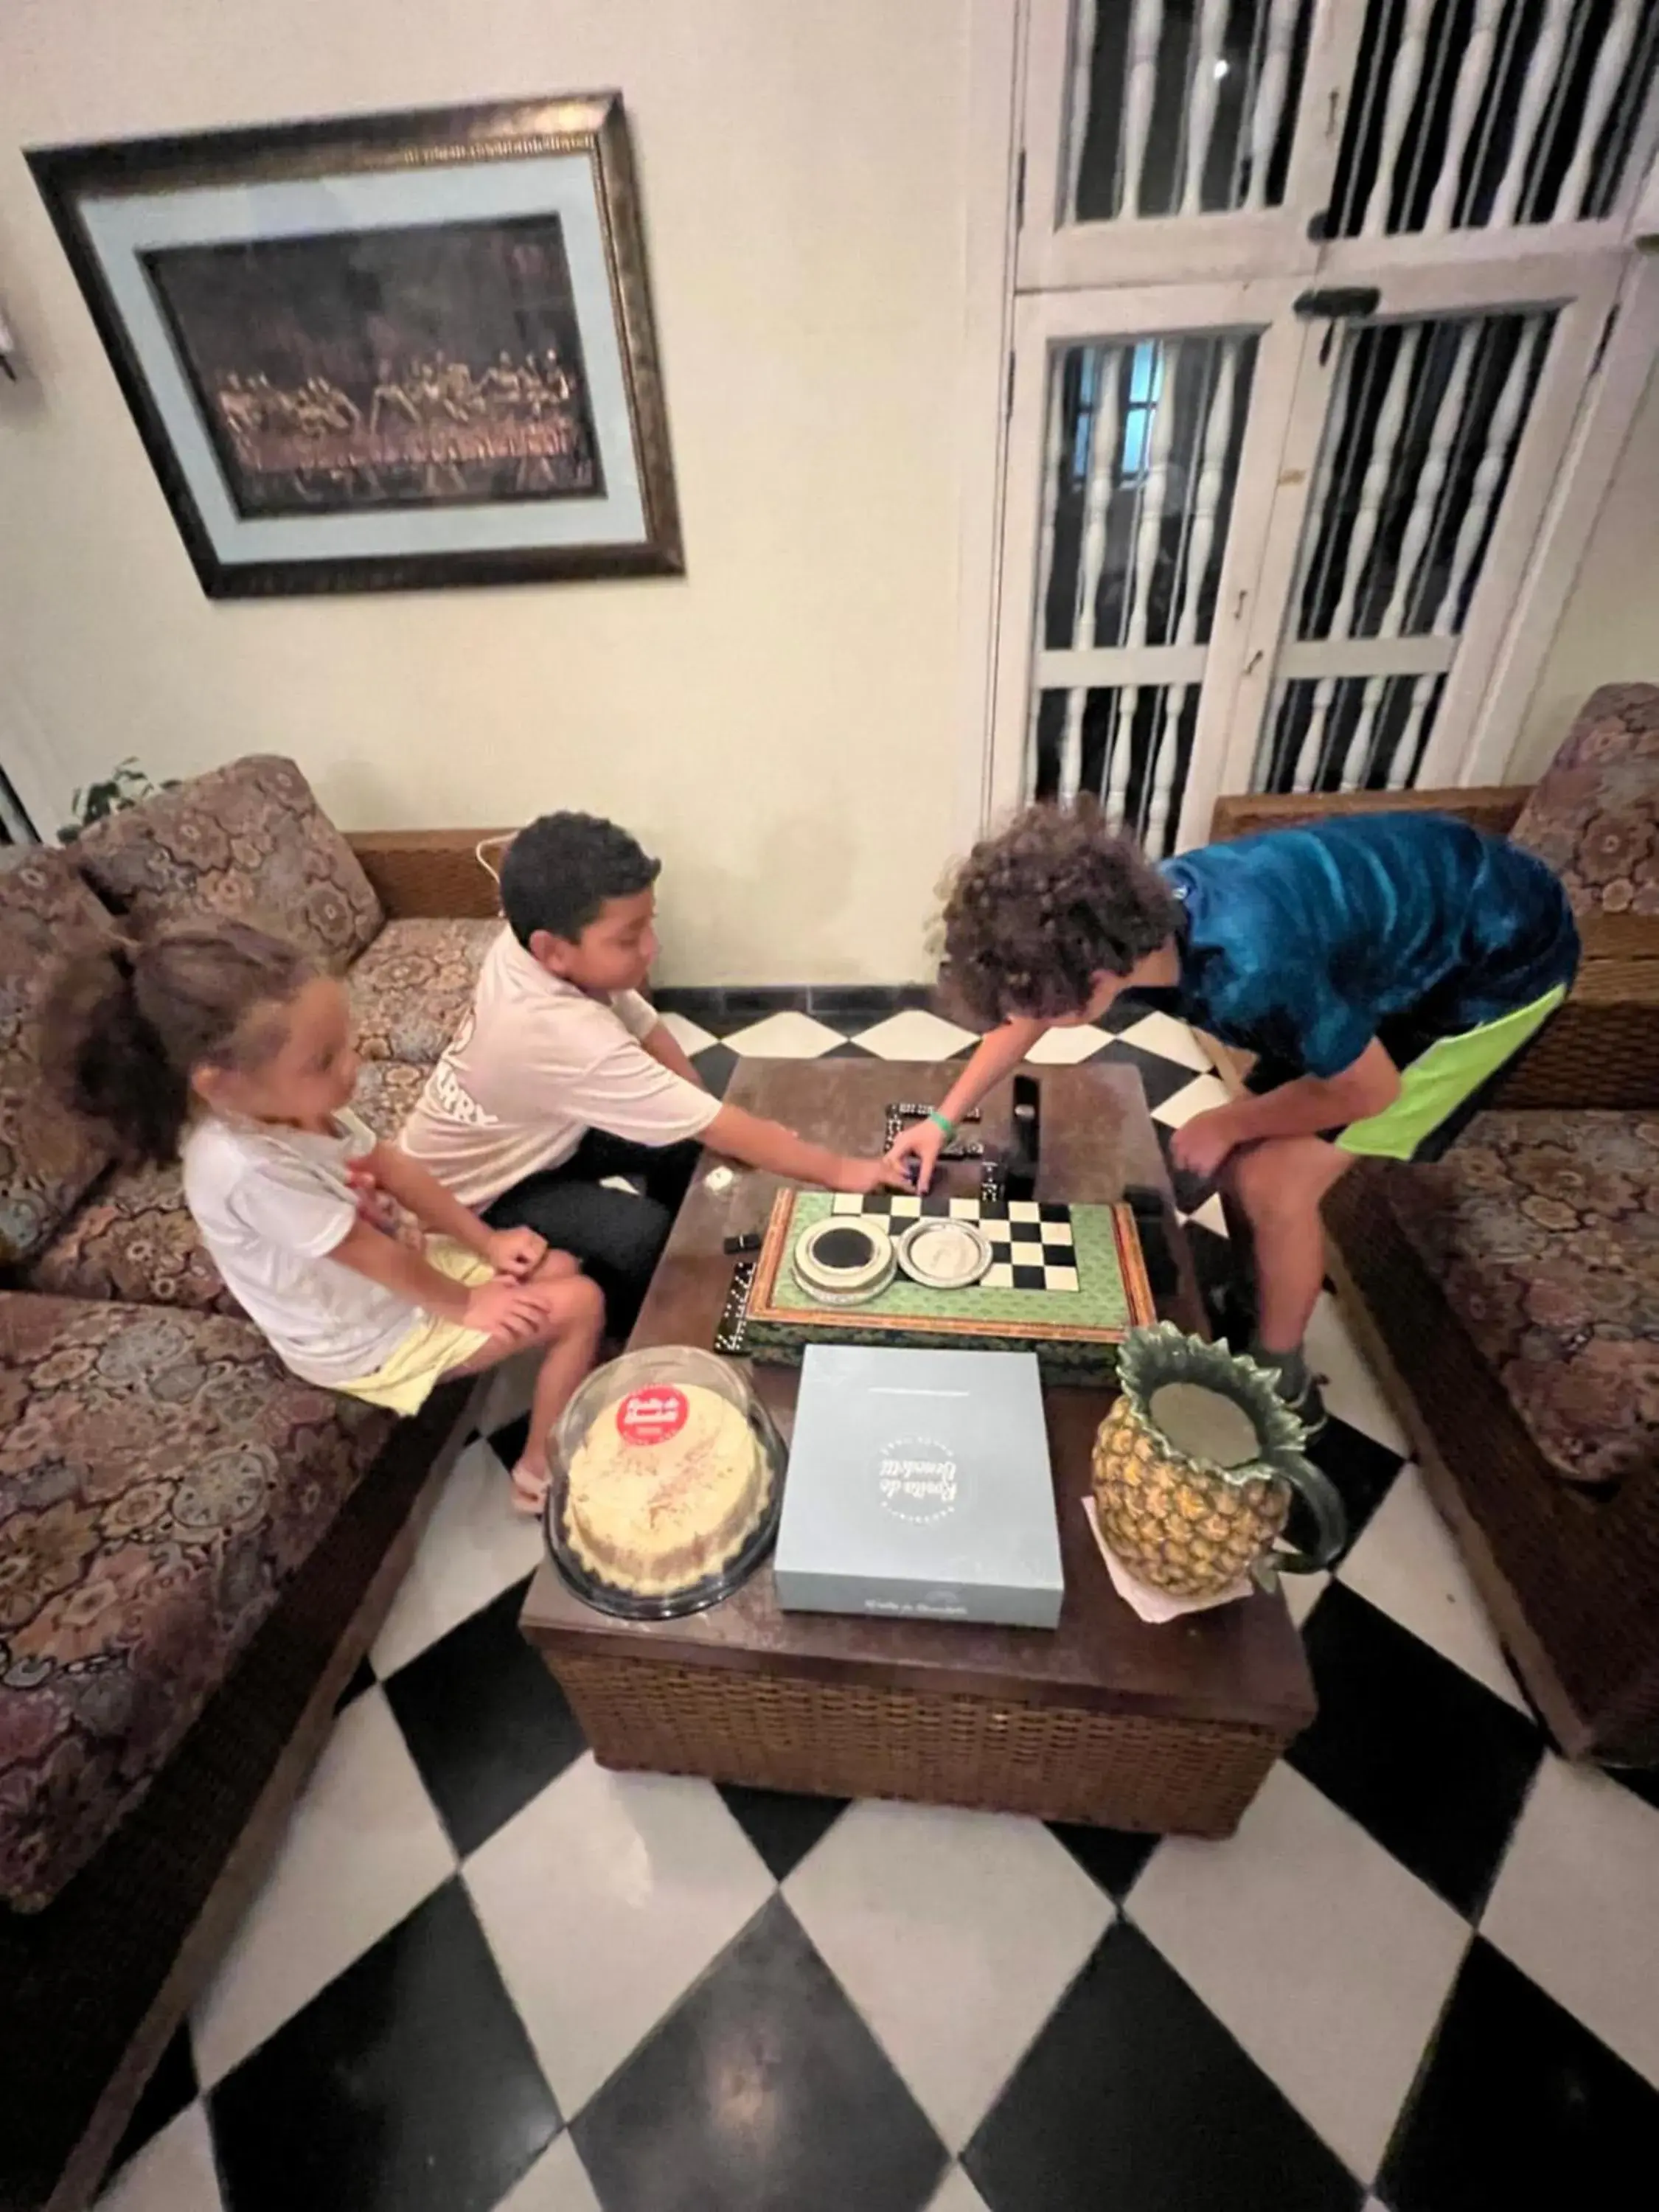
[[1423, 1977]]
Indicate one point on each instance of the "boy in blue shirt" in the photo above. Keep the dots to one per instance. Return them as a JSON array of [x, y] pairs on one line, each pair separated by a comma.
[[1383, 968]]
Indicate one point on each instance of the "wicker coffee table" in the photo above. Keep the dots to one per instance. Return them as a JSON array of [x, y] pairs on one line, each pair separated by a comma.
[[1104, 1720]]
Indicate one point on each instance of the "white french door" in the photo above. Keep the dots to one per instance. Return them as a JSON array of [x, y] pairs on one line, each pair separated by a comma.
[[1267, 530], [1424, 440], [1141, 459]]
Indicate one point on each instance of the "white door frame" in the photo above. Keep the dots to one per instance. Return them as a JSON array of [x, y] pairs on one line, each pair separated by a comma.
[[996, 46], [33, 770], [1609, 409]]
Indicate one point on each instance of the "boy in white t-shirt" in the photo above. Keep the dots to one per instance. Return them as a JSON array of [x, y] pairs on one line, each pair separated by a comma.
[[562, 1074]]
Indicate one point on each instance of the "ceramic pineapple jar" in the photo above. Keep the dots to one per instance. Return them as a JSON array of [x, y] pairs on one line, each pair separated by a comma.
[[1195, 1466]]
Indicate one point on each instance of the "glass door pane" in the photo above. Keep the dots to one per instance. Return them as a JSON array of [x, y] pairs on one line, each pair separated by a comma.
[[1183, 107], [1485, 115], [1145, 437], [1146, 440], [1177, 138], [1143, 444], [1427, 418]]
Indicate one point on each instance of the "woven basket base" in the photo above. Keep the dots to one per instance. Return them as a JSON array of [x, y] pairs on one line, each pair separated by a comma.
[[1054, 1762]]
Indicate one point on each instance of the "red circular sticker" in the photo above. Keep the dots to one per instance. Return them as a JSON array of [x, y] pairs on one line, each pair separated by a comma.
[[645, 1416]]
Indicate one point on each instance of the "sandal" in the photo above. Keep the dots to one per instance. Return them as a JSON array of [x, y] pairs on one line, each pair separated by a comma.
[[529, 1490]]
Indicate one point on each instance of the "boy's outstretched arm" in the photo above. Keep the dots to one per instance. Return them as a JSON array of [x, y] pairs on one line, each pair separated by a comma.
[[997, 1054], [635, 1092], [768, 1144], [1303, 1108]]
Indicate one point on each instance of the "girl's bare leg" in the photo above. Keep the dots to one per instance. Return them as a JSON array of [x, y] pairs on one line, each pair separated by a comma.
[[574, 1318], [580, 1320]]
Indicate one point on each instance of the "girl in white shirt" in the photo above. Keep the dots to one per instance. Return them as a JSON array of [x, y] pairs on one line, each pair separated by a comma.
[[228, 1049]]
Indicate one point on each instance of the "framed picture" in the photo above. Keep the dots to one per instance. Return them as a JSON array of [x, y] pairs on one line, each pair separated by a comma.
[[388, 351]]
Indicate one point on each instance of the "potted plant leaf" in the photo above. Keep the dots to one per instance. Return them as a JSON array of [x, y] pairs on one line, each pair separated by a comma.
[[126, 785]]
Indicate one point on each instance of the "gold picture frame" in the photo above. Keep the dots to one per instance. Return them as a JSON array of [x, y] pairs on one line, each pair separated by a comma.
[[386, 352]]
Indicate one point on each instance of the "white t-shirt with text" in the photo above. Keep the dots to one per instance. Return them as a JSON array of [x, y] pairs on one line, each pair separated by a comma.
[[535, 1066], [271, 1204]]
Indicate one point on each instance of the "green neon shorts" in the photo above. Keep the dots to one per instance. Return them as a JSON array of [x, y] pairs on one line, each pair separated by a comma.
[[1441, 1088]]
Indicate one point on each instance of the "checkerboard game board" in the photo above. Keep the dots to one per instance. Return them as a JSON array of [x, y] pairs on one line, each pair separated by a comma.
[[1067, 1283], [1031, 1241]]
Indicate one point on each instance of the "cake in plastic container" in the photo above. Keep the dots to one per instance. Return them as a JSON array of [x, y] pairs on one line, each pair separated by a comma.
[[666, 1480]]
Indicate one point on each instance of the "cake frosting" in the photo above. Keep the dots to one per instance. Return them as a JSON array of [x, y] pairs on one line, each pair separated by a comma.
[[664, 1488]]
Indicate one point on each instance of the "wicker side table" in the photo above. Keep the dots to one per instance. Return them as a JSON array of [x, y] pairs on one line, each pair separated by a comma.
[[1104, 1720]]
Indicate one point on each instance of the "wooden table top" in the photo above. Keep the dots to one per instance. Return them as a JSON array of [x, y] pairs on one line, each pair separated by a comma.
[[1241, 1663]]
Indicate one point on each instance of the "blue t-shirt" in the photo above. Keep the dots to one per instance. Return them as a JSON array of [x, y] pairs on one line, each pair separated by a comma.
[[1303, 945]]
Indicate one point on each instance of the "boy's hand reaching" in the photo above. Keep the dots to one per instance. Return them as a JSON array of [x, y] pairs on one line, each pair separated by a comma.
[[922, 1142], [863, 1175], [1202, 1145], [515, 1252]]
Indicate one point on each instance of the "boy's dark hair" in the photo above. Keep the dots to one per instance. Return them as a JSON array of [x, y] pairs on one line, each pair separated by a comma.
[[1036, 913], [128, 1024], [560, 871]]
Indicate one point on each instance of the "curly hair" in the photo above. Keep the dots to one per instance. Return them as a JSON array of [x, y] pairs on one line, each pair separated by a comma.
[[1037, 912], [561, 869]]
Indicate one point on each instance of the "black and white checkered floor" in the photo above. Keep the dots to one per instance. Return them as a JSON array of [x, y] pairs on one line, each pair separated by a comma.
[[1424, 1974]]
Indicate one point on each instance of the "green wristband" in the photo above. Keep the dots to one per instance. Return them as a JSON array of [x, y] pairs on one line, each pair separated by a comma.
[[943, 1121]]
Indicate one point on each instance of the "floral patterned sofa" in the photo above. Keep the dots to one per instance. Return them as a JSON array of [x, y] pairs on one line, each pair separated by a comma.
[[195, 1547], [1509, 1295]]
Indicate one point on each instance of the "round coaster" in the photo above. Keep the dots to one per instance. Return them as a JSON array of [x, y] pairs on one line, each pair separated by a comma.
[[846, 1258], [944, 1254], [855, 1298]]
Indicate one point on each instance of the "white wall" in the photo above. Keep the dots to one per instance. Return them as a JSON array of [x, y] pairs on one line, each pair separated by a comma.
[[784, 724], [1609, 627]]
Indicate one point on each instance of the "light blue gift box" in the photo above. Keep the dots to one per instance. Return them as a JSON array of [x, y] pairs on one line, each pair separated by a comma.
[[919, 1485]]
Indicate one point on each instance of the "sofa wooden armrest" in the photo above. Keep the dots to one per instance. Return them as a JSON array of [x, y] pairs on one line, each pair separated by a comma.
[[1488, 806], [1571, 1582], [1601, 1049], [1620, 936], [435, 872]]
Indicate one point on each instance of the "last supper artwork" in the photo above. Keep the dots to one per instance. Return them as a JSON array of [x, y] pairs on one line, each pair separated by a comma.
[[434, 365]]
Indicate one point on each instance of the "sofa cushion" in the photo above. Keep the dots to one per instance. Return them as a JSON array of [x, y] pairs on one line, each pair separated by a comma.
[[387, 1092], [1542, 1232], [47, 1158], [161, 1478], [1594, 813], [413, 987], [247, 839], [134, 1237]]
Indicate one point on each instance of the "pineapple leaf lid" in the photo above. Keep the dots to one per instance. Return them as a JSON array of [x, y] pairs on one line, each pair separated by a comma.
[[1151, 1358]]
